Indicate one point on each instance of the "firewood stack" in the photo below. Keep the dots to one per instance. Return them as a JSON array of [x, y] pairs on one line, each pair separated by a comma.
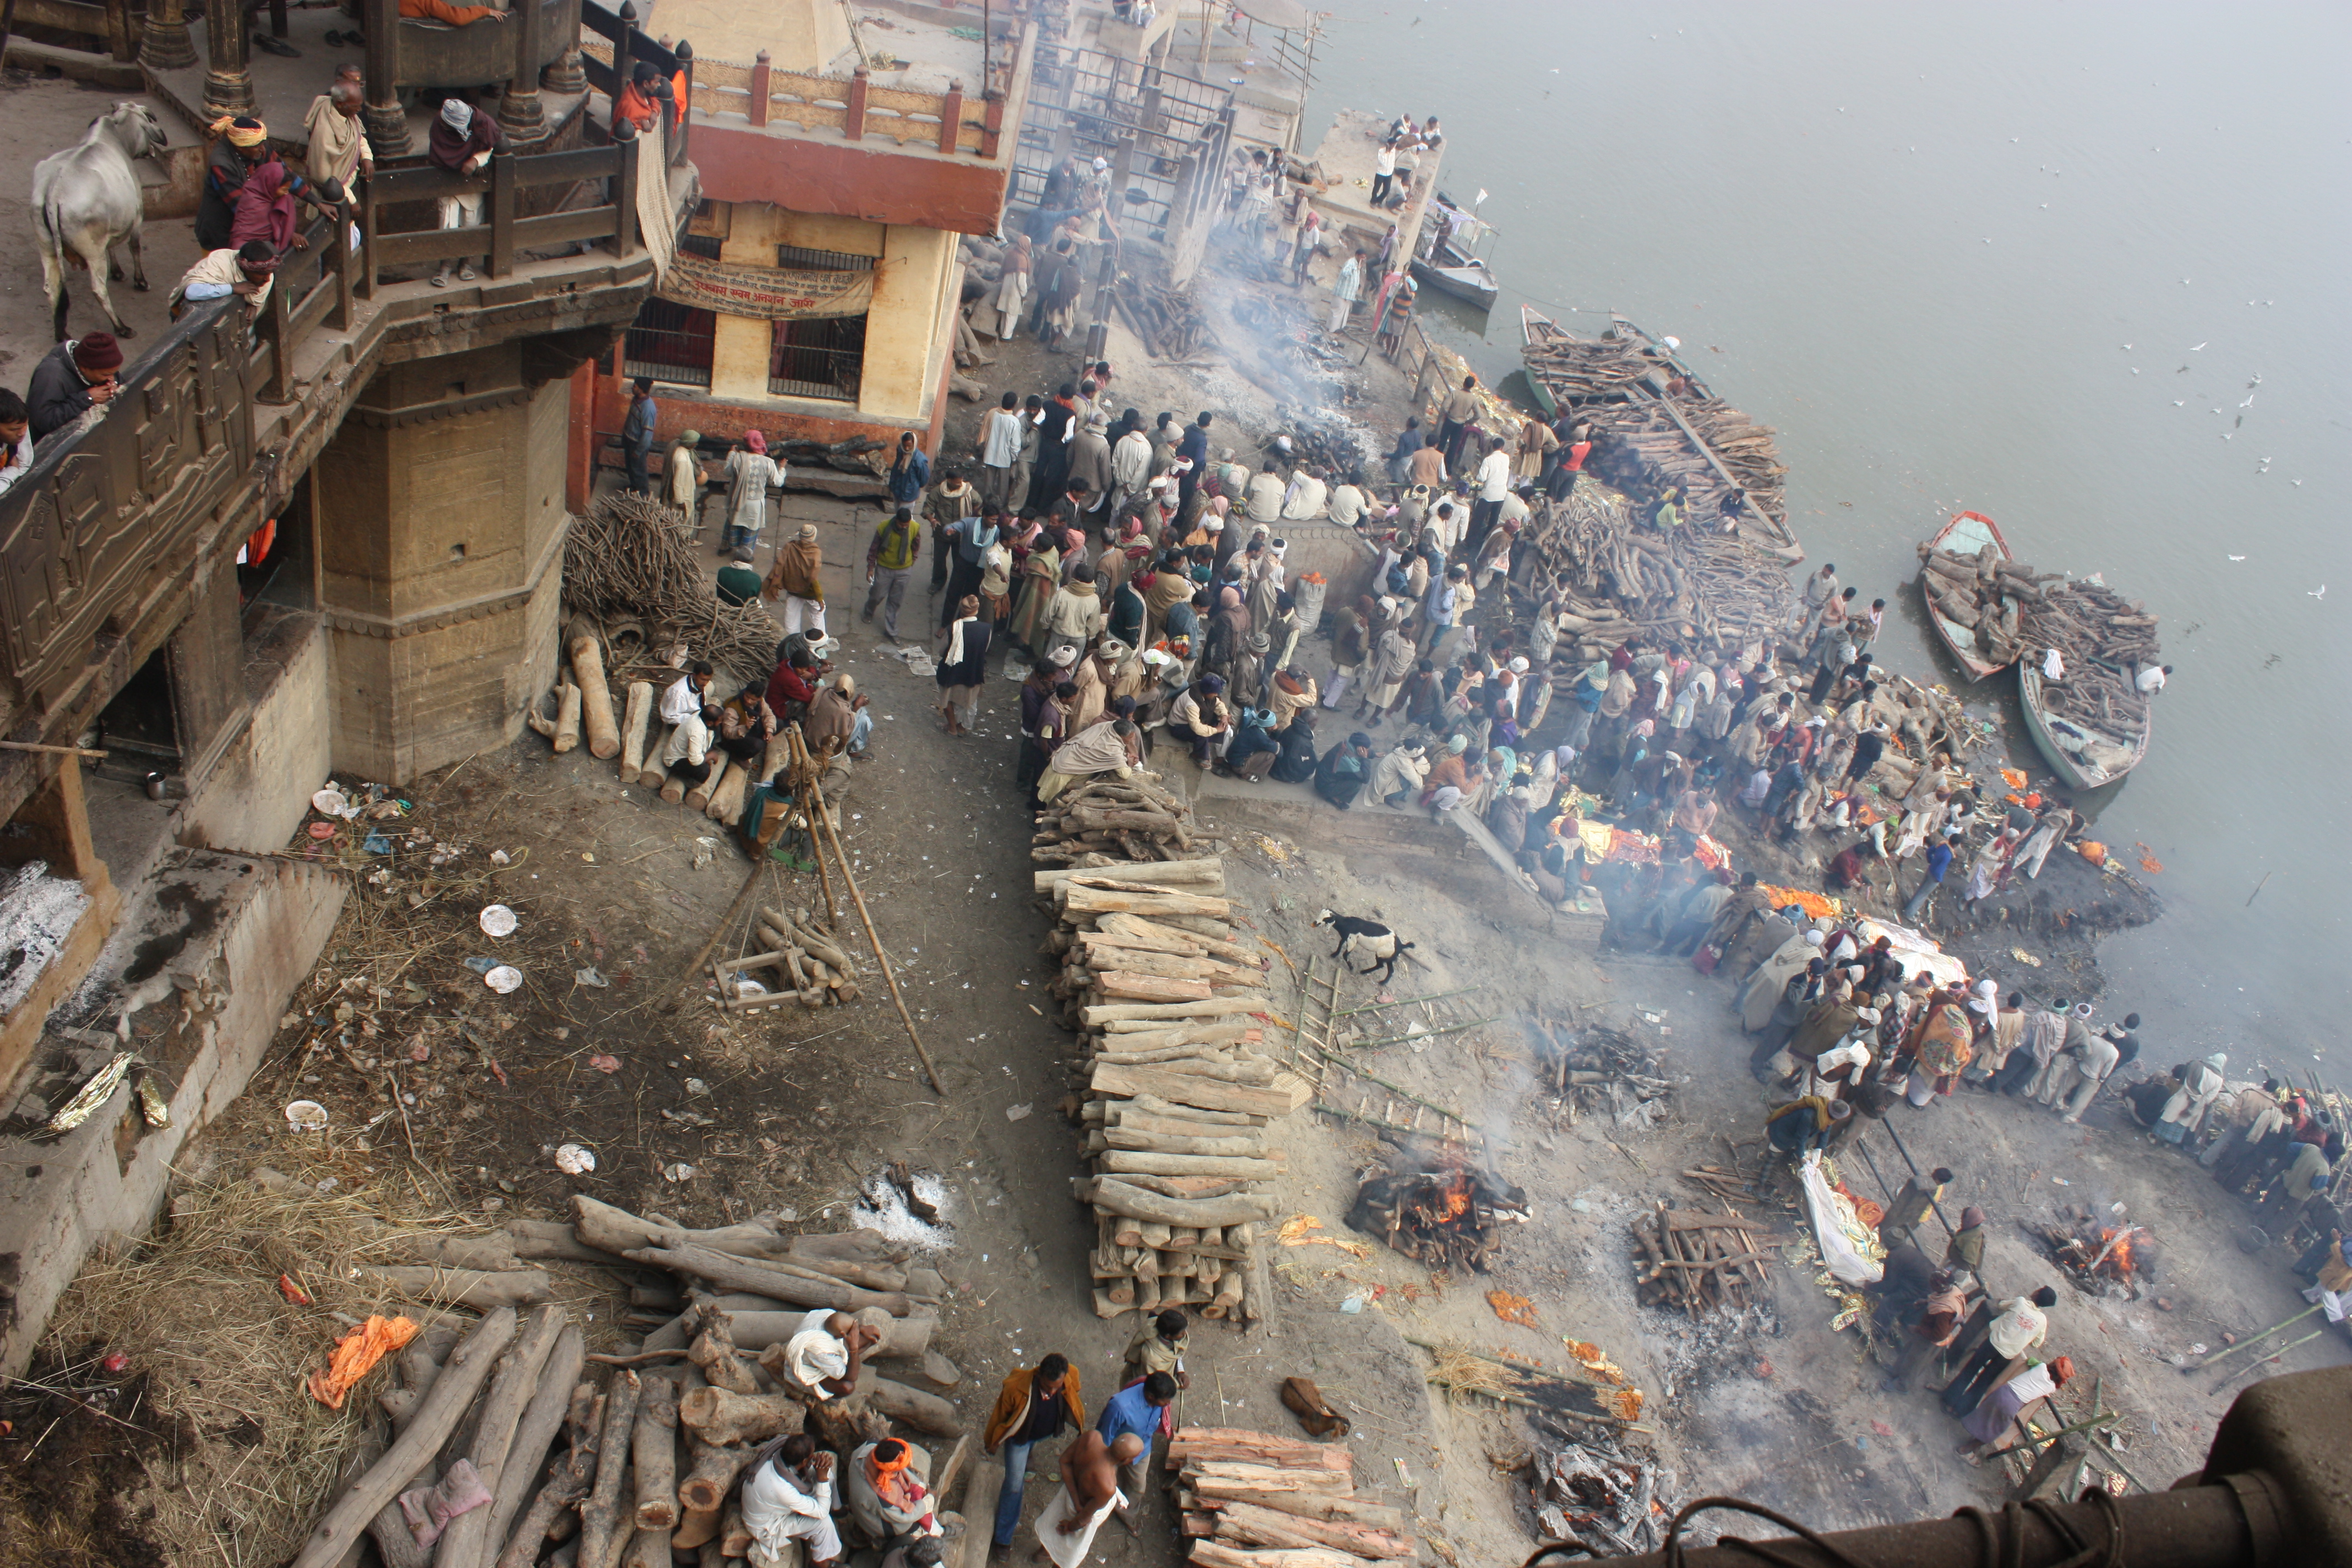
[[2102, 636], [1251, 1500], [1985, 592], [1128, 819], [1170, 325], [1696, 1260], [1178, 1088]]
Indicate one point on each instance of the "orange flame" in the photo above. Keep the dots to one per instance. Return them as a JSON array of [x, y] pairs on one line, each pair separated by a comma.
[[2119, 1255], [1458, 1198]]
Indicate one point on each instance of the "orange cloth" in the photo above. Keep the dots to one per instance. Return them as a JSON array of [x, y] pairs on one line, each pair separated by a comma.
[[357, 1352], [635, 106], [442, 11]]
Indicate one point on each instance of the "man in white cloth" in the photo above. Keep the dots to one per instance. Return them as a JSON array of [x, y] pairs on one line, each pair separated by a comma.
[[788, 1496], [1065, 1531], [827, 1352]]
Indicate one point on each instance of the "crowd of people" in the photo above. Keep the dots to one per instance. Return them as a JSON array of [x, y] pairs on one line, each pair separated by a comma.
[[792, 1494]]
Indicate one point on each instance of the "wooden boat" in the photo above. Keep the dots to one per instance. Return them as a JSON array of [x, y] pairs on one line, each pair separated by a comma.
[[2084, 758], [1965, 534], [1447, 258], [1534, 327]]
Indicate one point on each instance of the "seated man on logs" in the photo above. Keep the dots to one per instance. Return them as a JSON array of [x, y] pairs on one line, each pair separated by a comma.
[[886, 1497], [788, 1497], [822, 1359]]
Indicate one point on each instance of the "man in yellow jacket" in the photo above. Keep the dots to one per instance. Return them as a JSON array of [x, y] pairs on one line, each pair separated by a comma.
[[1033, 1405]]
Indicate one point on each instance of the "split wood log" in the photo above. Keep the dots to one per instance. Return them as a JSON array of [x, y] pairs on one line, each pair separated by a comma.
[[698, 799], [1131, 987], [564, 1490], [491, 1253], [1218, 1007], [979, 1505], [512, 1390], [595, 698], [1151, 1033], [1134, 1139], [1359, 1539], [1306, 1505], [653, 1450], [1190, 875], [1184, 1088], [726, 801], [1154, 1105], [1123, 1161], [464, 1287], [1245, 1069], [552, 1238], [1214, 1449], [705, 1488], [652, 777], [567, 719], [1080, 897], [1301, 1477], [542, 1418], [395, 1544], [1124, 1118], [1100, 953], [637, 715], [461, 1378], [923, 1412], [1222, 1554], [1136, 1202], [734, 1540], [720, 1418], [740, 1274], [600, 1518], [616, 1230], [646, 1549], [1218, 940]]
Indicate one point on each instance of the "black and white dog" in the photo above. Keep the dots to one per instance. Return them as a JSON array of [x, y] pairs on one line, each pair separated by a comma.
[[1366, 939]]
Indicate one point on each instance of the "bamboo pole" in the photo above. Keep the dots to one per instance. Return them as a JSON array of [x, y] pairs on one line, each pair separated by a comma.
[[805, 768], [1408, 1001], [889, 977], [2248, 1343], [726, 923]]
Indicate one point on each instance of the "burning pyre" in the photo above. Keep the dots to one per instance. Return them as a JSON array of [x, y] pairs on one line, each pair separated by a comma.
[[1600, 1496], [2102, 1260], [1431, 1204]]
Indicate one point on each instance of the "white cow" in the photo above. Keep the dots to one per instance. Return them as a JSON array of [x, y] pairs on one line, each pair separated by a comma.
[[86, 201]]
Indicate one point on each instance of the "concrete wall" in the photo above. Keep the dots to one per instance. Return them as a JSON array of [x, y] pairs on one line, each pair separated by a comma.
[[58, 1199], [905, 332], [259, 791], [441, 528]]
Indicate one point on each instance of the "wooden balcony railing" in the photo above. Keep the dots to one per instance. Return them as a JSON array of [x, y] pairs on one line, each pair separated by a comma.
[[502, 232]]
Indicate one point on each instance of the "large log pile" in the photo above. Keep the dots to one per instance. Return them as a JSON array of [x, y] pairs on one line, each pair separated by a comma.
[[1698, 1260], [1130, 818], [1693, 585], [651, 1458], [1167, 320], [1251, 1499], [2102, 638], [1983, 593], [1167, 996]]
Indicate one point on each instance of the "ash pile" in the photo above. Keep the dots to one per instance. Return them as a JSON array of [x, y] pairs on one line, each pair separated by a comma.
[[1296, 357], [1433, 1206], [1600, 1071], [1596, 1493], [1336, 446]]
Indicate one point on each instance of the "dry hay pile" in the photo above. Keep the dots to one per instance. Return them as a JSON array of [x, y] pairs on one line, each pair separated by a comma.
[[631, 565], [238, 1459]]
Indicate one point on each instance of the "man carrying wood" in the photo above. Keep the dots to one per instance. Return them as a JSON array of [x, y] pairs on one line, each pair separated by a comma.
[[788, 1496], [825, 1355], [1031, 1408], [1065, 1531]]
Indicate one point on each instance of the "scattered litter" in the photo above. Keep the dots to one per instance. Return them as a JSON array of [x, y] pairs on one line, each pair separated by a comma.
[[322, 831], [1015, 1112], [2061, 1181], [1882, 1428], [1295, 1232], [1355, 1303], [480, 965], [1513, 1309], [355, 1355], [500, 857], [376, 844], [585, 855], [696, 1086], [293, 1292], [504, 979], [676, 1172], [95, 1094], [422, 1051], [330, 802], [2023, 956], [605, 1063], [589, 976], [574, 1160], [497, 921], [306, 1116]]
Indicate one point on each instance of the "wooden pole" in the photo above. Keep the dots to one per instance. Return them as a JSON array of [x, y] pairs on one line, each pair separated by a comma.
[[2248, 1343], [813, 798], [727, 923], [889, 978], [30, 745]]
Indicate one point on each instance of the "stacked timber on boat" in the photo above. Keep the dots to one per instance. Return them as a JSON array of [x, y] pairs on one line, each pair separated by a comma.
[[506, 1444], [1655, 426], [2092, 721], [1695, 586], [1251, 1499], [1984, 595], [1130, 818], [1179, 1087]]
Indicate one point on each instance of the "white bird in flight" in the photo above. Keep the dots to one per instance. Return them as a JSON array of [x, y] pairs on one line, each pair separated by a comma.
[[2249, 403], [2321, 593], [2237, 558], [2194, 348]]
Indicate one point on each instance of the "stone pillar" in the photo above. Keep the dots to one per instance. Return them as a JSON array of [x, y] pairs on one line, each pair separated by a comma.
[[165, 46], [566, 75], [519, 117], [387, 125], [444, 617], [228, 75]]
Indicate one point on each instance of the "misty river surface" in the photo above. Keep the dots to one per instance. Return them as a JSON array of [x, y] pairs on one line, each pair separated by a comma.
[[2028, 260]]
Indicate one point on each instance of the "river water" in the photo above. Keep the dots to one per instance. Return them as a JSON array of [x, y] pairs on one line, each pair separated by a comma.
[[2031, 260]]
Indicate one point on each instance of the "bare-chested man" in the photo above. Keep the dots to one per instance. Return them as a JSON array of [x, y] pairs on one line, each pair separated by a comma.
[[1091, 1466]]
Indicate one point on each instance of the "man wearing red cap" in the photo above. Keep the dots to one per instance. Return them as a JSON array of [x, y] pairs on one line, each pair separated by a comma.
[[71, 379]]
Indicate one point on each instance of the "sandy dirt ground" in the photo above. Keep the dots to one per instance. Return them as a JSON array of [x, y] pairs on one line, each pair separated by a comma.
[[447, 1101]]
